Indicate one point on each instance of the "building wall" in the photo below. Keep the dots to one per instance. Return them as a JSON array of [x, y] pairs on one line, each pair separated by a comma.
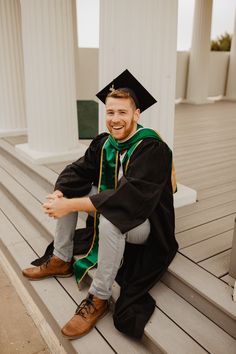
[[219, 62], [87, 80], [88, 73]]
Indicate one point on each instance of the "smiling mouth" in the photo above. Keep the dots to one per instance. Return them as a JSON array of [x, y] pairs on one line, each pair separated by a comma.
[[117, 128]]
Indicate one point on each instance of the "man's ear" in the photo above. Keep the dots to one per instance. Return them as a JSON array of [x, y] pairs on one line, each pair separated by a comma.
[[136, 115]]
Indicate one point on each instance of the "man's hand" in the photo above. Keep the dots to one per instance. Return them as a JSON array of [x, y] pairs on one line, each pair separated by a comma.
[[56, 207], [55, 194]]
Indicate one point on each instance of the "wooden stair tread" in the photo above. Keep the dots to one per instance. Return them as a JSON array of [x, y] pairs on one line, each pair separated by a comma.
[[206, 284], [210, 247], [206, 204], [63, 305], [50, 292], [199, 327], [205, 231], [34, 209], [217, 265]]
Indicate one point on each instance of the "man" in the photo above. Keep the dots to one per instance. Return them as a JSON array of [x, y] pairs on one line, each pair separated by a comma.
[[124, 179]]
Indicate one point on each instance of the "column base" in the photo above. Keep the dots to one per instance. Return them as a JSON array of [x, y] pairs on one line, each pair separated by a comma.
[[229, 98], [39, 157], [13, 132], [196, 102], [184, 196]]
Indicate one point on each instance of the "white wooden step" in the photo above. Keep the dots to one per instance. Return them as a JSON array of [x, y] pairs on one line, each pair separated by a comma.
[[177, 269], [33, 207], [189, 319], [53, 301], [61, 296], [25, 243], [42, 171], [204, 291]]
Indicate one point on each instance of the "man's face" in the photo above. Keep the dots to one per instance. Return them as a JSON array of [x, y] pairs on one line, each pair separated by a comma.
[[121, 117]]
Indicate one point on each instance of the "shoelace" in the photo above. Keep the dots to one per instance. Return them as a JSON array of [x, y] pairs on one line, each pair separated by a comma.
[[86, 307], [45, 264]]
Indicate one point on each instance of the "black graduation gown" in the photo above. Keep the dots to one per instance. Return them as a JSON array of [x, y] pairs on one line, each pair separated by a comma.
[[144, 192]]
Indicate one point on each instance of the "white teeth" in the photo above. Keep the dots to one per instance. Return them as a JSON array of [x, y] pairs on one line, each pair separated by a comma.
[[117, 128]]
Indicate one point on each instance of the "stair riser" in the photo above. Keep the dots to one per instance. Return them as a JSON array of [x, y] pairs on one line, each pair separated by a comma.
[[204, 305], [9, 160], [27, 213]]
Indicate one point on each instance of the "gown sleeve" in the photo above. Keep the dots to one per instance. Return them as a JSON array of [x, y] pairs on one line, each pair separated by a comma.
[[78, 177], [146, 184]]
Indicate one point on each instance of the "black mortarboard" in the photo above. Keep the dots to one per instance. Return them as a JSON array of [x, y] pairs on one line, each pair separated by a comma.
[[142, 98]]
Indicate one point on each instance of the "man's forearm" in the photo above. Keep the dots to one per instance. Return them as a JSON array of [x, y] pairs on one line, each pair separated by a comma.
[[82, 204], [57, 207]]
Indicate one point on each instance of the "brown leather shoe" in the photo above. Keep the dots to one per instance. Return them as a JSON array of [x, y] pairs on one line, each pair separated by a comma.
[[86, 316], [54, 266]]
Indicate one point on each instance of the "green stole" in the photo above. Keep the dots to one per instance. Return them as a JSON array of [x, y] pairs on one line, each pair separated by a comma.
[[108, 180]]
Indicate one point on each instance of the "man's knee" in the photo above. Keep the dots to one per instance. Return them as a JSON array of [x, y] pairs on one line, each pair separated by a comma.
[[139, 234], [105, 225]]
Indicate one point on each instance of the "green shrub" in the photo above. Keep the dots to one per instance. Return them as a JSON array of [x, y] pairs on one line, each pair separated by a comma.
[[222, 43]]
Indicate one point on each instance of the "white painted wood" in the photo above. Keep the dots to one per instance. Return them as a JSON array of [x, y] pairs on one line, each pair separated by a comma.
[[28, 201], [218, 264], [231, 82], [42, 171], [118, 341], [171, 339], [184, 196], [133, 48], [208, 294], [228, 279], [189, 319], [31, 232], [218, 70], [204, 283], [34, 312], [61, 306], [26, 178], [210, 247], [190, 221], [205, 231], [232, 266], [12, 100], [211, 191], [39, 157], [234, 292], [207, 203], [58, 167], [49, 64], [13, 140], [220, 193], [199, 60]]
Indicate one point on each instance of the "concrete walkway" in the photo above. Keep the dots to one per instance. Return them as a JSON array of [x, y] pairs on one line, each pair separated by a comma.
[[18, 333]]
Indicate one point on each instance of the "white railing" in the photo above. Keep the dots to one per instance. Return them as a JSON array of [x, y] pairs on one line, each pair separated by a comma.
[[232, 266]]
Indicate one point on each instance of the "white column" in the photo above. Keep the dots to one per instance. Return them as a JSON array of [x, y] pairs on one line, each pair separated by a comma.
[[12, 105], [49, 59], [76, 46], [141, 36], [199, 60], [231, 83]]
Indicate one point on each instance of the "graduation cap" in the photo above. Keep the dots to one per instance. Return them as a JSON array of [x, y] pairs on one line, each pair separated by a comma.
[[126, 81]]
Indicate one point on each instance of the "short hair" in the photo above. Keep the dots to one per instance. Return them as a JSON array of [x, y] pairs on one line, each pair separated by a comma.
[[123, 93]]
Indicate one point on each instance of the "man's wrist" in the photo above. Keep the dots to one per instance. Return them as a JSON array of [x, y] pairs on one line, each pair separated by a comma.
[[58, 193]]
